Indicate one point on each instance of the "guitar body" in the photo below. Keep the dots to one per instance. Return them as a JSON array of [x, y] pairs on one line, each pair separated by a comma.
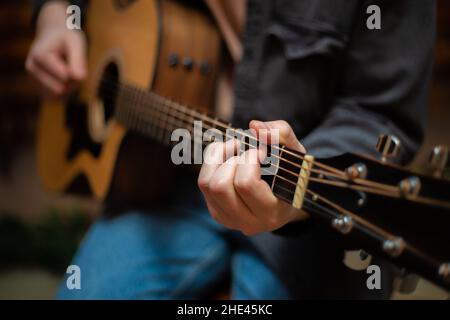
[[146, 43]]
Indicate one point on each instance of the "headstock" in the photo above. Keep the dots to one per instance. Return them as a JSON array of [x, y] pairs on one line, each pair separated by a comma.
[[391, 210], [379, 206]]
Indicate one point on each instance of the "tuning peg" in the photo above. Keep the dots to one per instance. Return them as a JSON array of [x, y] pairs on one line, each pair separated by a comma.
[[388, 146], [444, 272], [439, 160]]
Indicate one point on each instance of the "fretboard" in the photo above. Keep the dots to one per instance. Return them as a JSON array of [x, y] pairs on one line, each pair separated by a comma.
[[157, 117]]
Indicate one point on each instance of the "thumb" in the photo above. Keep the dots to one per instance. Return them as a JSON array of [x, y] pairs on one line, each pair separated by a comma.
[[285, 133], [76, 56]]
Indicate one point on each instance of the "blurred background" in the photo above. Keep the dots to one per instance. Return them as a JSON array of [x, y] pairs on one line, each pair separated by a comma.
[[39, 232]]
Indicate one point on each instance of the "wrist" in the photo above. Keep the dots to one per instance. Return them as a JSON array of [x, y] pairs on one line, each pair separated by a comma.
[[52, 16]]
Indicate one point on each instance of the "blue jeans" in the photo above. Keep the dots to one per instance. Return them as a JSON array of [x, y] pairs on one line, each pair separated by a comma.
[[178, 252]]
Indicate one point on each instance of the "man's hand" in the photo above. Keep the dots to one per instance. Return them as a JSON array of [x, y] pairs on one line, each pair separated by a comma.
[[236, 195], [57, 58]]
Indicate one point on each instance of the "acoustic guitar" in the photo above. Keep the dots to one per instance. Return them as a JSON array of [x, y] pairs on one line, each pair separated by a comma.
[[153, 68], [88, 143]]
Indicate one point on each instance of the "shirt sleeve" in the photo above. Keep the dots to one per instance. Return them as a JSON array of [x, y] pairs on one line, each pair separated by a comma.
[[383, 88]]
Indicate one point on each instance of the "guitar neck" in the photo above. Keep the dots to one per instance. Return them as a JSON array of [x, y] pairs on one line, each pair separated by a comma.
[[157, 117]]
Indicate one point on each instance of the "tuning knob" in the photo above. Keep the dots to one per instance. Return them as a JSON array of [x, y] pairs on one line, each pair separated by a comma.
[[439, 160], [388, 146]]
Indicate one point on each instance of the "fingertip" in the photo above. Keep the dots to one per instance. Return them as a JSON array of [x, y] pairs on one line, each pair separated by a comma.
[[232, 144], [262, 154], [257, 125], [232, 161], [251, 157], [255, 153], [78, 74], [28, 64]]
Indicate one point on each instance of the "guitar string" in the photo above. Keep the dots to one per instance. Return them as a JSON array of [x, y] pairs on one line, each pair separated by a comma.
[[415, 198], [166, 103], [308, 204], [205, 117], [362, 221], [176, 124], [371, 230], [358, 188], [365, 189], [353, 186], [188, 122], [277, 167], [336, 183], [340, 175], [150, 112], [146, 110], [281, 158]]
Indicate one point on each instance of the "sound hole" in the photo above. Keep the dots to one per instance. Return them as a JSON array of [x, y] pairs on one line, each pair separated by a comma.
[[107, 89], [77, 115], [76, 122]]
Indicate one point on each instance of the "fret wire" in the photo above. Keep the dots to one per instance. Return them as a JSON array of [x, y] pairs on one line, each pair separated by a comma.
[[334, 183], [281, 168], [274, 178], [199, 116], [294, 174], [162, 102], [168, 121], [289, 181], [183, 118], [155, 125], [361, 188], [133, 112], [162, 117], [193, 112], [312, 170], [214, 121], [139, 121]]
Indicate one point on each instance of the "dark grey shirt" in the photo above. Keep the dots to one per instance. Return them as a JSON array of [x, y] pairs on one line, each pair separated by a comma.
[[315, 64]]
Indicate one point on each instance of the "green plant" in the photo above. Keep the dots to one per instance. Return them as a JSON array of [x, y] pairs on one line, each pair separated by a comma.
[[49, 243]]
